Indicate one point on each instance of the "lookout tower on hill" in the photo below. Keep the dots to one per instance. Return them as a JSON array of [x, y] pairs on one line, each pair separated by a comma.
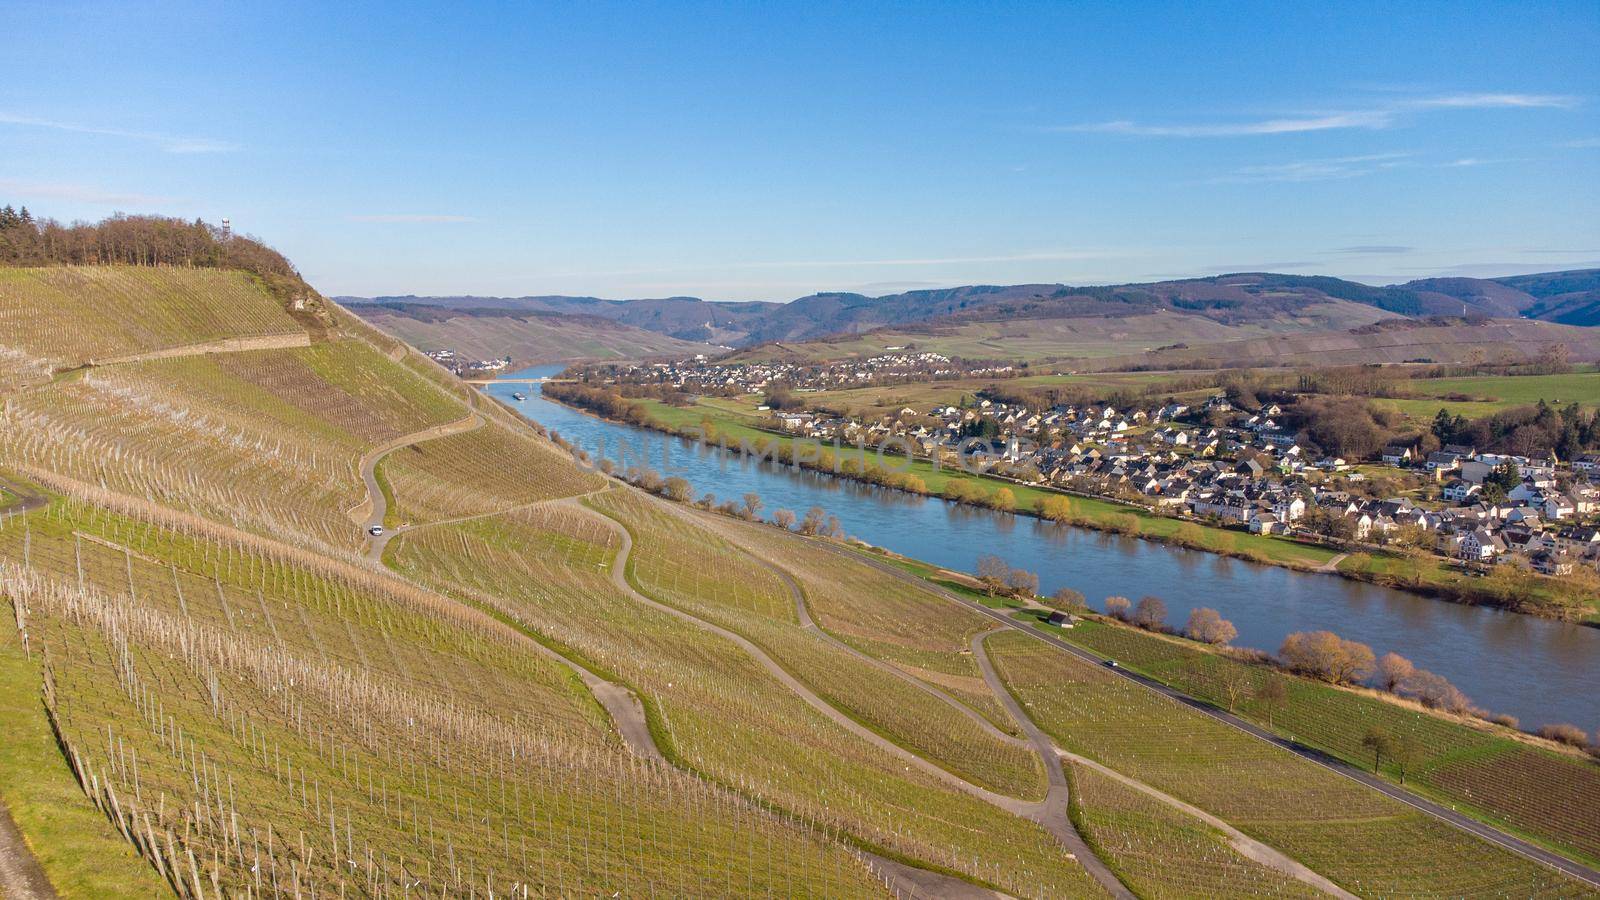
[[227, 229]]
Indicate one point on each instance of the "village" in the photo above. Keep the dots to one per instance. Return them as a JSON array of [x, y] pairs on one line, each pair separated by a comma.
[[1458, 502], [465, 367], [697, 376]]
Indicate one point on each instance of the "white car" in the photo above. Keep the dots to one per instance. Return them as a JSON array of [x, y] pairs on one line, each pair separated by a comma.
[[375, 531]]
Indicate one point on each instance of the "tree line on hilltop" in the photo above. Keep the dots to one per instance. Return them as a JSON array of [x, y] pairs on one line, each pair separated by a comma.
[[29, 240]]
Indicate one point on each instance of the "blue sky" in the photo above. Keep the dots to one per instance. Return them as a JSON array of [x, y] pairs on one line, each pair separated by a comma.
[[765, 151]]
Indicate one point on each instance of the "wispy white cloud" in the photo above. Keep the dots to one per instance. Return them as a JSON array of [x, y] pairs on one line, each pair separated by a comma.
[[1370, 117], [1496, 101], [166, 142], [1581, 144], [77, 193], [1468, 162], [1328, 169], [411, 218]]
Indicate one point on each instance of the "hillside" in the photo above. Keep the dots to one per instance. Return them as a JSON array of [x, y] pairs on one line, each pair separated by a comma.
[[1394, 341], [541, 681], [527, 336], [1039, 339], [971, 320]]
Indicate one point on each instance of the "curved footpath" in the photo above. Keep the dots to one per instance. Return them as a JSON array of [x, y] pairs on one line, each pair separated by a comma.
[[27, 500], [1050, 814], [1245, 845], [1444, 814], [1051, 755], [628, 716], [377, 505]]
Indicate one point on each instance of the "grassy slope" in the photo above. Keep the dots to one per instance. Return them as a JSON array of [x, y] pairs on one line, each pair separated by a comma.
[[82, 855], [1493, 393]]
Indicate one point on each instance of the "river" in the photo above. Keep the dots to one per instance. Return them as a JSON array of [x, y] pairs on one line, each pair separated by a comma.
[[1537, 670]]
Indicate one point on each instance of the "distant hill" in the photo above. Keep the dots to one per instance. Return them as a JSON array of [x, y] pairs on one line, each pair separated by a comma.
[[1571, 298], [527, 336], [976, 317], [1393, 341]]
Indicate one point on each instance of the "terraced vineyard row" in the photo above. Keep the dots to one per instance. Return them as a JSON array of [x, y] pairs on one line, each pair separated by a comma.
[[1340, 829], [1555, 797], [880, 615], [1163, 853], [687, 566], [267, 440], [716, 710], [284, 742], [70, 315], [485, 470]]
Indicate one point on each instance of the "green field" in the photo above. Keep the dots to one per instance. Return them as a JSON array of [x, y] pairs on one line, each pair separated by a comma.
[[1493, 393]]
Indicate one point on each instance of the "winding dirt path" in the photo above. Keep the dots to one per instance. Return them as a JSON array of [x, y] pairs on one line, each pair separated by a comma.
[[1050, 813], [376, 505], [1057, 803], [1245, 845], [807, 623], [21, 877]]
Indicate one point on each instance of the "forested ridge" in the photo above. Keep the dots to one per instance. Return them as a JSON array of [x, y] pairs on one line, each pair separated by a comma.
[[27, 240]]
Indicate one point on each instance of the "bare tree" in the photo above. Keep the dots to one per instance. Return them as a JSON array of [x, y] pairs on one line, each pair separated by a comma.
[[1272, 695], [816, 518], [1151, 613], [1436, 692], [1067, 600], [1208, 626], [752, 505], [1023, 584], [783, 518], [994, 572], [1235, 684], [1117, 607], [1406, 752], [1394, 671], [1325, 655], [677, 490], [1380, 742]]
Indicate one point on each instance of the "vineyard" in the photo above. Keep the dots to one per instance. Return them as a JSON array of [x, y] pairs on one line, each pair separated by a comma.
[[1552, 796], [266, 440], [253, 725], [70, 315], [880, 615], [543, 683], [717, 712], [685, 565], [1162, 852], [1343, 831], [488, 469]]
